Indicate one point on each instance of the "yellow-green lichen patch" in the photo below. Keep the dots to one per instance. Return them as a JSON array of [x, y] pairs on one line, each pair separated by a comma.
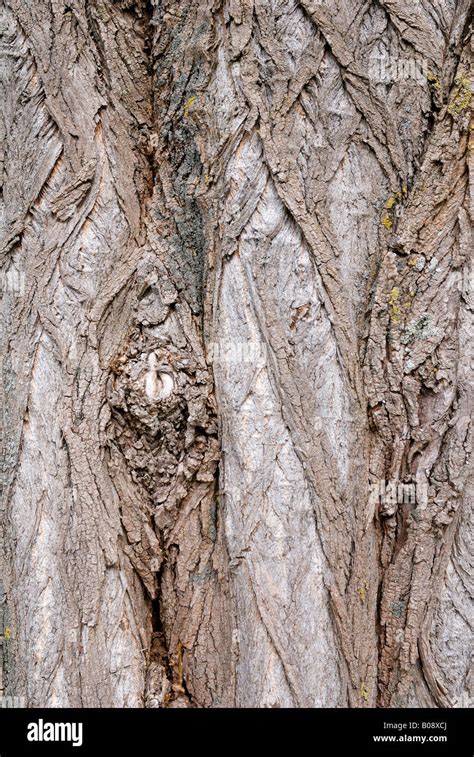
[[394, 305], [364, 692], [434, 80], [362, 592], [389, 208], [461, 96], [187, 106]]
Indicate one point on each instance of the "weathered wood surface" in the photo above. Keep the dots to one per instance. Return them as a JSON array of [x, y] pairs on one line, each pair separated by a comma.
[[236, 308]]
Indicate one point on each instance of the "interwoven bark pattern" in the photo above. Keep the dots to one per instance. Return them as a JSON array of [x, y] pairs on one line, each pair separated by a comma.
[[236, 314]]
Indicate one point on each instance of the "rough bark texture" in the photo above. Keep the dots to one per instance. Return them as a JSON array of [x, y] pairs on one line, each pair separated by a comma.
[[237, 309]]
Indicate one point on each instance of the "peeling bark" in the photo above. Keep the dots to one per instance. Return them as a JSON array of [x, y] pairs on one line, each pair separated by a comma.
[[236, 353]]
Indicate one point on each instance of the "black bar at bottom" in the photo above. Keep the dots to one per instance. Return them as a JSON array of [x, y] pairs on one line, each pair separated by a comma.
[[116, 732]]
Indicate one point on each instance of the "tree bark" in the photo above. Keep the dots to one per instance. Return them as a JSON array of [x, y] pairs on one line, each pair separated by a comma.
[[236, 353]]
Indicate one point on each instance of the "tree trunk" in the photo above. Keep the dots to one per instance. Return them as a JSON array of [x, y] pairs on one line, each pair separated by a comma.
[[236, 353]]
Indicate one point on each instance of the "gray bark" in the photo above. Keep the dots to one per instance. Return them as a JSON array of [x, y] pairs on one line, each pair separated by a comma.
[[236, 311]]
